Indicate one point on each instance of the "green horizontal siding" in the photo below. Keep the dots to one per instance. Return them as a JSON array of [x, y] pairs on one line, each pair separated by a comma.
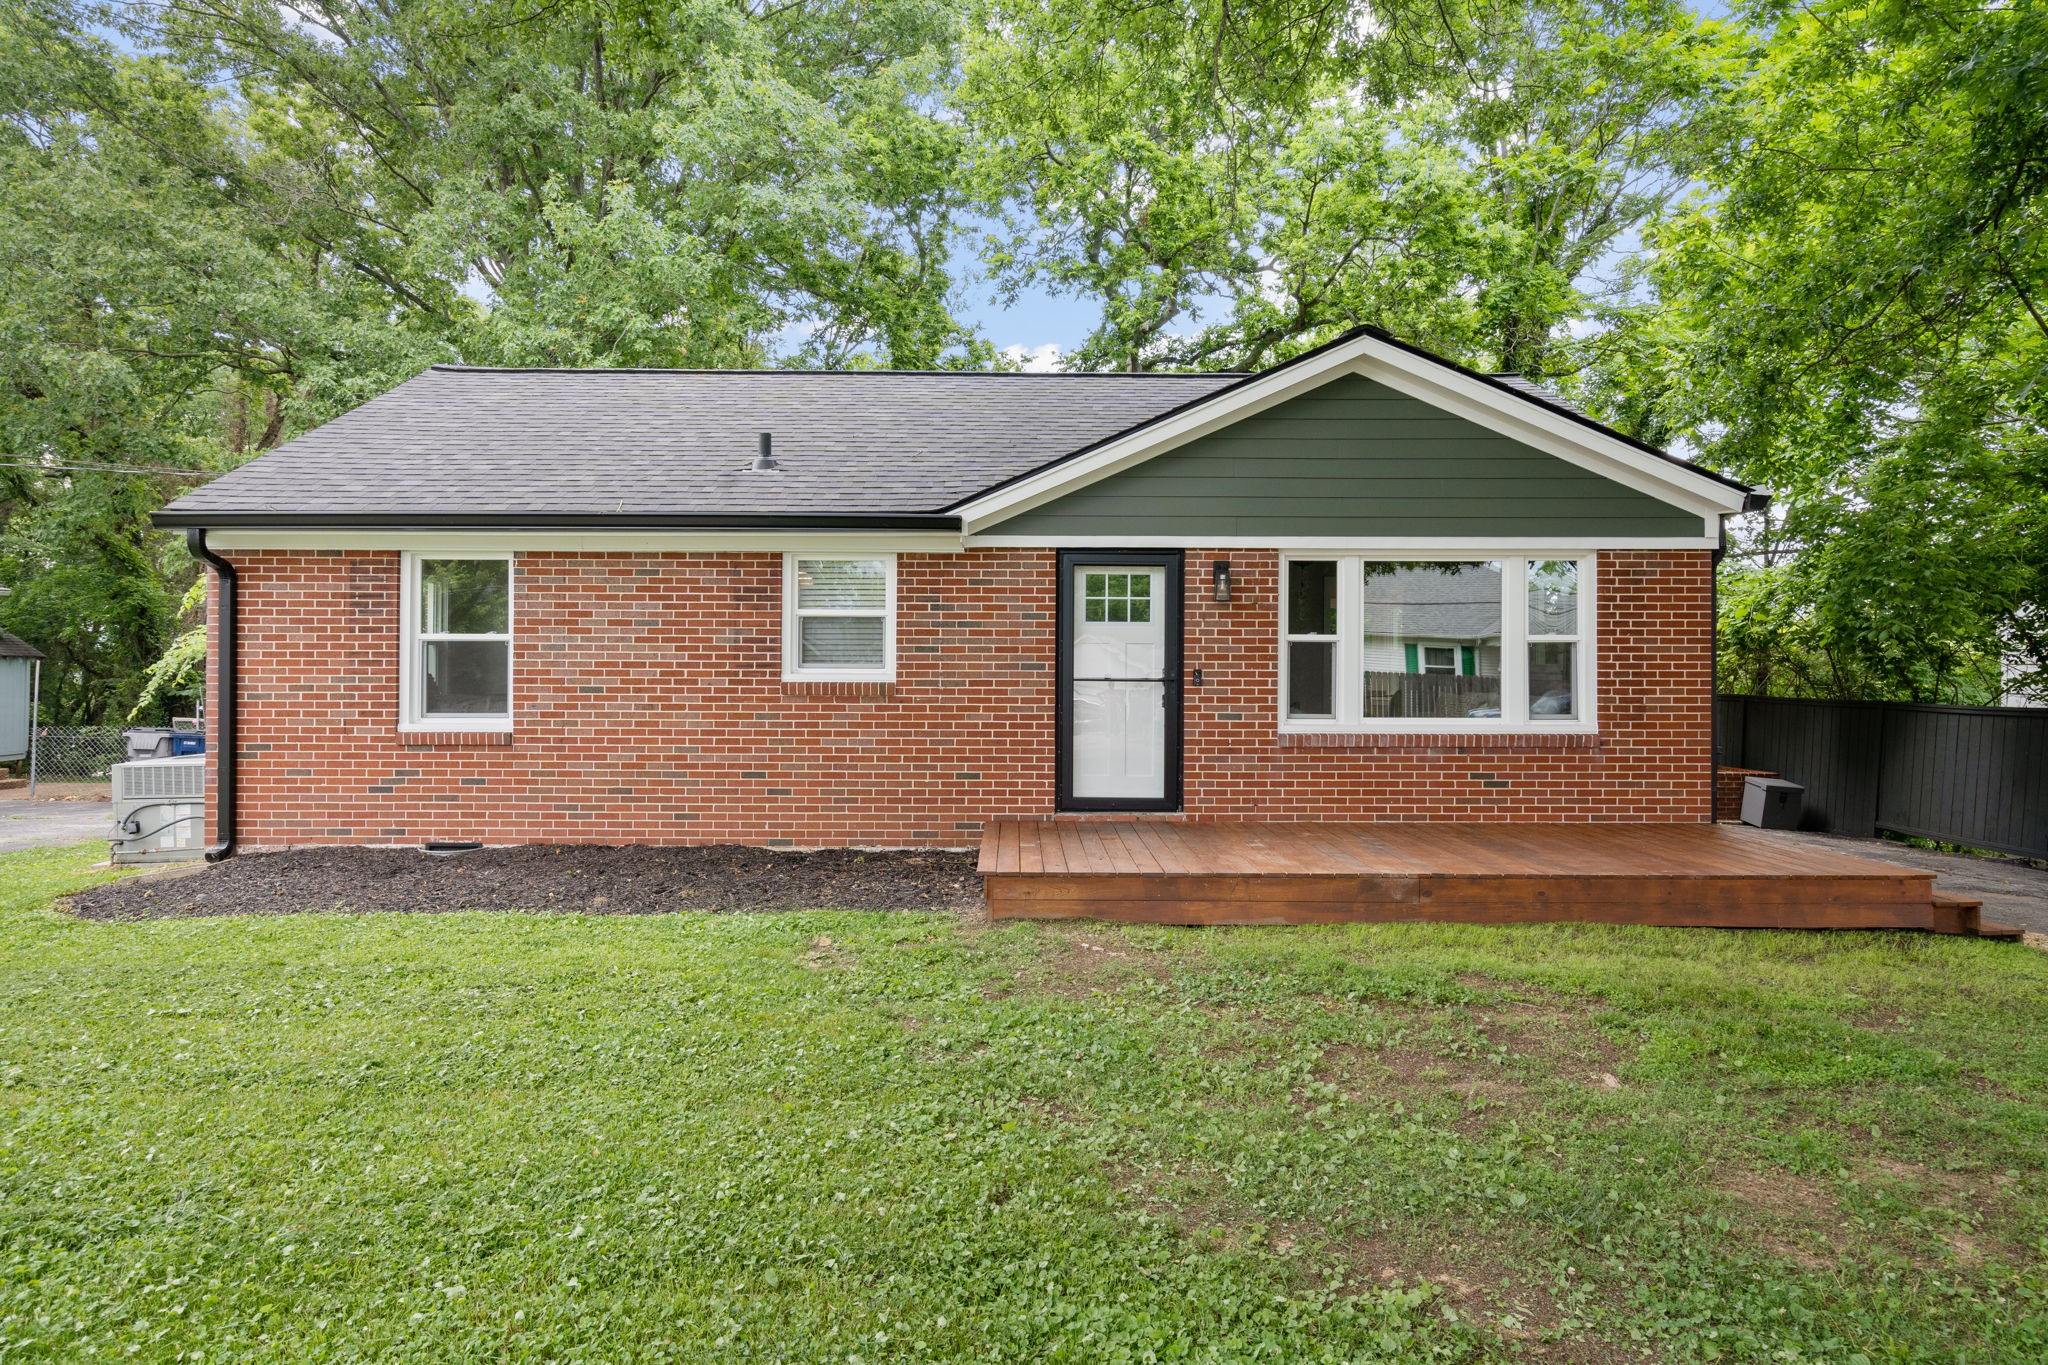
[[1355, 458]]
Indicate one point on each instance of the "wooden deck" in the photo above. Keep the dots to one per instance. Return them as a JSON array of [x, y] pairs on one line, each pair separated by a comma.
[[1251, 872]]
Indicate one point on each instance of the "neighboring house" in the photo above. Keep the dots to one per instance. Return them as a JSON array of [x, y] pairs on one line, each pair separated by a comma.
[[19, 662], [536, 605]]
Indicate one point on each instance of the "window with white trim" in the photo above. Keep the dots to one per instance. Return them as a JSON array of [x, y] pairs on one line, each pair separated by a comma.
[[456, 670], [839, 617], [1418, 646]]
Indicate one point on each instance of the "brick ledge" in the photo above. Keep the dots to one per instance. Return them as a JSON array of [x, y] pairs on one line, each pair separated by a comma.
[[1447, 744], [816, 688], [454, 739]]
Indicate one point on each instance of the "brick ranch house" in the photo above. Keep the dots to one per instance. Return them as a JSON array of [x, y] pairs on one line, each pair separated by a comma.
[[600, 606]]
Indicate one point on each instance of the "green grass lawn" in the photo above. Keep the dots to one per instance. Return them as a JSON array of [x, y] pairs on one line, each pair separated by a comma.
[[875, 1138]]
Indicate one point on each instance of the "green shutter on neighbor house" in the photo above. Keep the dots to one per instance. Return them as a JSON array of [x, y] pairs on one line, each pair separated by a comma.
[[1468, 660], [1414, 659]]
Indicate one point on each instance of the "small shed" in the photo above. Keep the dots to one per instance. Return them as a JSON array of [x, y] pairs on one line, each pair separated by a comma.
[[18, 663]]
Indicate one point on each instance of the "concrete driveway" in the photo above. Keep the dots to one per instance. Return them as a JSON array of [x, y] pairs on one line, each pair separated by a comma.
[[41, 824]]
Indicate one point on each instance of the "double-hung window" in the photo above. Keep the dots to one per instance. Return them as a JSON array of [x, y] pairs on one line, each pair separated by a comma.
[[456, 670], [839, 617], [1373, 644]]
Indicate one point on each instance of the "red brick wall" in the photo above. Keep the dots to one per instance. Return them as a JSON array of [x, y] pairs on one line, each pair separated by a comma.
[[1650, 761], [1730, 785], [650, 708]]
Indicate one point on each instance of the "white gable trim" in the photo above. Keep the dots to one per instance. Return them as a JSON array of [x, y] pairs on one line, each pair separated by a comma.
[[1441, 386]]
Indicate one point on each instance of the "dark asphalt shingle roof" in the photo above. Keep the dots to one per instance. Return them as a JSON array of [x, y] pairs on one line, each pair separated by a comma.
[[1522, 384], [680, 442], [463, 445], [14, 647]]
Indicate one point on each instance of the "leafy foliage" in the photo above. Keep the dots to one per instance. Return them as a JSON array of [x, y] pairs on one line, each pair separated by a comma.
[[1240, 185], [1852, 315]]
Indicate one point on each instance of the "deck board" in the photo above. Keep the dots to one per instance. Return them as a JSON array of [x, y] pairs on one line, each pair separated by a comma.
[[1172, 871]]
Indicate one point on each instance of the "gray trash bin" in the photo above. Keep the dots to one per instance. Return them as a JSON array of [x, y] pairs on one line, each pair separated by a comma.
[[147, 741], [1772, 803]]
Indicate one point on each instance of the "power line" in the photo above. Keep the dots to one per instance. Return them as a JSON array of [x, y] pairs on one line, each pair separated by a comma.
[[82, 467]]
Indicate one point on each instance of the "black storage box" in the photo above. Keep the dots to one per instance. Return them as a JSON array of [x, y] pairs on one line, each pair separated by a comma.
[[1772, 803]]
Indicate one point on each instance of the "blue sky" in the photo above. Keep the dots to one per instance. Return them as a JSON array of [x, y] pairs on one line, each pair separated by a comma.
[[1036, 320]]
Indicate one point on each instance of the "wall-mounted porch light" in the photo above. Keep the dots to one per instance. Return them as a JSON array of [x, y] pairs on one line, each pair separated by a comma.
[[1219, 573]]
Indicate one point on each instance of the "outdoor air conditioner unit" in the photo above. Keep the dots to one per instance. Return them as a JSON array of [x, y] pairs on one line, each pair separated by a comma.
[[159, 810]]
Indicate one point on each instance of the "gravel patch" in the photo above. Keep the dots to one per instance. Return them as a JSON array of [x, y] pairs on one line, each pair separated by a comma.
[[581, 879]]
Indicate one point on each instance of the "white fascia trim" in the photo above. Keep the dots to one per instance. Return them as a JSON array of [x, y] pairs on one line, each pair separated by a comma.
[[1419, 547], [1438, 385], [515, 542]]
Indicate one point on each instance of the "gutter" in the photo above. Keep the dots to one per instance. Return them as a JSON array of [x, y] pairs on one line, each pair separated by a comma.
[[554, 521], [222, 745]]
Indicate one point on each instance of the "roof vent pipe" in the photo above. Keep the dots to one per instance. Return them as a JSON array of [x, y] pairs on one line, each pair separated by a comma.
[[765, 459]]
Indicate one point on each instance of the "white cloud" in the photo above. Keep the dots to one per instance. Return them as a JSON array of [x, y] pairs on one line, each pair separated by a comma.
[[1034, 359]]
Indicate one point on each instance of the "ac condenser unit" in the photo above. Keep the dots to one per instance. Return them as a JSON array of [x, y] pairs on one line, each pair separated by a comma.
[[159, 810]]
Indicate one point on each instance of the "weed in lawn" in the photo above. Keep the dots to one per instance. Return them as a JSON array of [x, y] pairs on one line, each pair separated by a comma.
[[823, 1136]]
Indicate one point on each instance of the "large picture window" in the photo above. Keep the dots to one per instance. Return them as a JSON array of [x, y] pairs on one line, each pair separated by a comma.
[[839, 617], [1425, 645], [457, 671]]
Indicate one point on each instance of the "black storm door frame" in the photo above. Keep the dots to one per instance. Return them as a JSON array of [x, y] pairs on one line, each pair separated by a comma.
[[1173, 562]]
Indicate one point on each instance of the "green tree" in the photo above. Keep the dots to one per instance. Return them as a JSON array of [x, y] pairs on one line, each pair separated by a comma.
[[1234, 190], [625, 182], [1851, 313], [145, 318], [237, 221]]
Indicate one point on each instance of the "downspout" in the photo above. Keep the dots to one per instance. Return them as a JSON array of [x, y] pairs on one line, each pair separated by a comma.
[[222, 742]]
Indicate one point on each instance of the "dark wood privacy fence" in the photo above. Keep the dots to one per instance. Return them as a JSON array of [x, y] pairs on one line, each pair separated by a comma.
[[1975, 775]]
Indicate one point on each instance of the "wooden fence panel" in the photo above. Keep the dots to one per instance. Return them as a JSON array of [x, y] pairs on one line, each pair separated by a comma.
[[1975, 775]]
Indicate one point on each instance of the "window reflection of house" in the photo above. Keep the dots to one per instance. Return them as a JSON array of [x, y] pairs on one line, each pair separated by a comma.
[[1432, 639]]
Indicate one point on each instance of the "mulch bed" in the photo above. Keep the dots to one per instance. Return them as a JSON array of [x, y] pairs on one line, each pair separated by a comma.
[[630, 880]]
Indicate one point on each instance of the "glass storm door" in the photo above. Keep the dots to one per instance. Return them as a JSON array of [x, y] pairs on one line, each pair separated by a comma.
[[1120, 664]]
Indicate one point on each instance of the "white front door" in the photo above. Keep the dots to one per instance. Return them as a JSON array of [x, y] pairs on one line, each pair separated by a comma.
[[1119, 682]]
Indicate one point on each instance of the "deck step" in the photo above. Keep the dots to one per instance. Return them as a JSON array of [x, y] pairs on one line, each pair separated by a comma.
[[1955, 914], [2007, 933]]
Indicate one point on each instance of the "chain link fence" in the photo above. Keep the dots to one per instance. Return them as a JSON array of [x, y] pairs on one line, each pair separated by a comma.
[[78, 753]]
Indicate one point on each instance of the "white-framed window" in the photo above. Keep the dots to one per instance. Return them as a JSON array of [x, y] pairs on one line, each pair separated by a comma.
[[455, 658], [838, 617], [1480, 642]]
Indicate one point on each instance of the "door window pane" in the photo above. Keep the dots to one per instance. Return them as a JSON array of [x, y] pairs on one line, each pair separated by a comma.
[[1554, 597], [1432, 640], [466, 677], [465, 596], [1311, 597], [1123, 597], [842, 642], [1551, 682], [1311, 673]]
